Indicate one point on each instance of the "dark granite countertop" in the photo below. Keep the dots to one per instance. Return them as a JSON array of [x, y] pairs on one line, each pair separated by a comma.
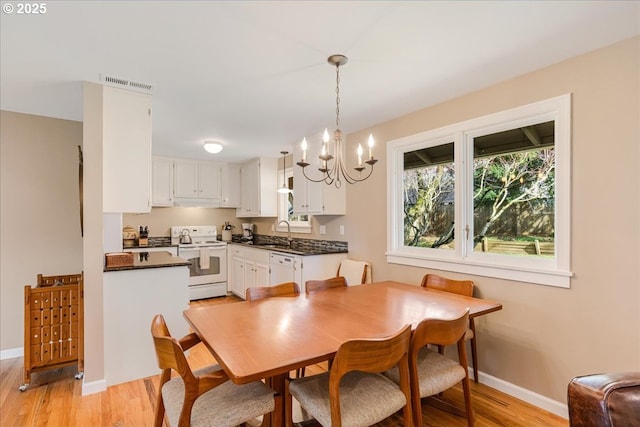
[[143, 260], [295, 250]]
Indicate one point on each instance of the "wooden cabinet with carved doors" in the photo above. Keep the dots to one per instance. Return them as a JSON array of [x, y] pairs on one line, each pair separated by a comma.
[[53, 325]]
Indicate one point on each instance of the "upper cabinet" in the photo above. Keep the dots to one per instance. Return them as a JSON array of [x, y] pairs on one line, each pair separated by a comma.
[[162, 192], [259, 188], [315, 198], [185, 182], [231, 190], [196, 182], [126, 151]]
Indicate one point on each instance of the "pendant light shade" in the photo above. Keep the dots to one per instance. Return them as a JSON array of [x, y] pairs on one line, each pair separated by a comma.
[[285, 188]]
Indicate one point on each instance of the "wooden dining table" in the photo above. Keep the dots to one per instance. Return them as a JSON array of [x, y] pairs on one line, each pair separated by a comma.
[[267, 339]]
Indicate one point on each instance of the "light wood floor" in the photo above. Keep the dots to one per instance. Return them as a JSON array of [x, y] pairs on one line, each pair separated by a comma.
[[54, 399]]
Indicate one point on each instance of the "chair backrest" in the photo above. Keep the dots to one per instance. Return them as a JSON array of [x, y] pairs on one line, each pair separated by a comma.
[[441, 331], [460, 287], [355, 272], [170, 356], [287, 289], [169, 353], [311, 286], [369, 355]]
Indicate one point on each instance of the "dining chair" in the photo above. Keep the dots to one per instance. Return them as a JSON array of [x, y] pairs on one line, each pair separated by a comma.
[[355, 272], [311, 286], [205, 397], [431, 373], [460, 287], [287, 289], [354, 393]]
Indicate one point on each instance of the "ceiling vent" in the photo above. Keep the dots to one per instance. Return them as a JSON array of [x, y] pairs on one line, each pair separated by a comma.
[[125, 84]]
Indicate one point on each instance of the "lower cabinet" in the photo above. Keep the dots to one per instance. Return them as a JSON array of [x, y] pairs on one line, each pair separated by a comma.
[[248, 268]]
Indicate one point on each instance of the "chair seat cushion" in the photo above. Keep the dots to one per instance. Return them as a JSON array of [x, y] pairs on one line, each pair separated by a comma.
[[365, 398], [228, 404], [436, 373]]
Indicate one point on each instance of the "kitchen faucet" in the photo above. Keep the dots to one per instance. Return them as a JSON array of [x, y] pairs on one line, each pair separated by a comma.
[[288, 231]]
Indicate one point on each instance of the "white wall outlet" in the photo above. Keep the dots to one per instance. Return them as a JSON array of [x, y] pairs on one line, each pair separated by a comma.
[[273, 227], [342, 230], [323, 229]]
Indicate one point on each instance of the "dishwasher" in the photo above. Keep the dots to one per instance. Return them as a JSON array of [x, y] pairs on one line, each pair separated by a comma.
[[283, 268]]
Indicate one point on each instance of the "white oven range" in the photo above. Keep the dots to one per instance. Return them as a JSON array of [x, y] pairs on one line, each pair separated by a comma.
[[208, 258]]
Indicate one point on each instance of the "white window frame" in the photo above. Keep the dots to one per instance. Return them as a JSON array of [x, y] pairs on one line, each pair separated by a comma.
[[296, 226], [552, 271]]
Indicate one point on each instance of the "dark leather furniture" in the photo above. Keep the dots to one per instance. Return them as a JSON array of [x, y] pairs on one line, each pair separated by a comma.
[[604, 400]]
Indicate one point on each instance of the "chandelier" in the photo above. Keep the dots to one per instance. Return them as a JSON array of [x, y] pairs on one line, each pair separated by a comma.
[[333, 173]]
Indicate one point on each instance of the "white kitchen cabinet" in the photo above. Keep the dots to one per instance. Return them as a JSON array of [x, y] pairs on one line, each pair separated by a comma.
[[196, 183], [231, 189], [316, 198], [162, 190], [259, 188], [235, 278], [126, 151], [248, 268]]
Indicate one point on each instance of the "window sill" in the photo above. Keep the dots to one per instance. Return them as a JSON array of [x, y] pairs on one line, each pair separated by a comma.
[[294, 229], [547, 277]]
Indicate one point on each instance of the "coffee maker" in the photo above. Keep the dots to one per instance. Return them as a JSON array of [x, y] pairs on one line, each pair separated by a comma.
[[247, 233]]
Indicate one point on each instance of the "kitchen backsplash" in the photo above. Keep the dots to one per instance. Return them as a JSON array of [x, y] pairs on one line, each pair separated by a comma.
[[300, 244]]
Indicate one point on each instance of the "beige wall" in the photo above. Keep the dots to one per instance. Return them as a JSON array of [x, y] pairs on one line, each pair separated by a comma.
[[544, 336], [40, 220], [160, 220]]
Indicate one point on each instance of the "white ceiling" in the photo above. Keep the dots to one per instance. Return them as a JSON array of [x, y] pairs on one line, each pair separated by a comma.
[[254, 74]]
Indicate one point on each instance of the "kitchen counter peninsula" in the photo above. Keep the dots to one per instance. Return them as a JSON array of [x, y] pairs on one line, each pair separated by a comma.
[[143, 260], [157, 282]]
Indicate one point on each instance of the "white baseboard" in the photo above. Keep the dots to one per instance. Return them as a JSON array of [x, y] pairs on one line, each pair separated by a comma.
[[11, 353], [528, 396], [93, 386]]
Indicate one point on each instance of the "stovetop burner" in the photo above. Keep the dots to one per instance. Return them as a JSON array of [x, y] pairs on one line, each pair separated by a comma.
[[201, 236]]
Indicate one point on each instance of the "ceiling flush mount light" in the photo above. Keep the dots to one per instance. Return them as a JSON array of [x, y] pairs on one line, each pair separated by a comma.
[[335, 173], [212, 147], [285, 188]]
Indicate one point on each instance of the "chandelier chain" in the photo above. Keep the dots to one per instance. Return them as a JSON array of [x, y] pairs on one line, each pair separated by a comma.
[[337, 96]]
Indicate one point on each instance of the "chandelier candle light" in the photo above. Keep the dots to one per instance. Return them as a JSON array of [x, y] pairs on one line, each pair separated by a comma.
[[338, 171]]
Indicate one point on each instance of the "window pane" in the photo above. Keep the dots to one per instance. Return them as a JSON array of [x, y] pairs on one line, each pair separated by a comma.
[[514, 191], [290, 215], [428, 185], [285, 204]]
